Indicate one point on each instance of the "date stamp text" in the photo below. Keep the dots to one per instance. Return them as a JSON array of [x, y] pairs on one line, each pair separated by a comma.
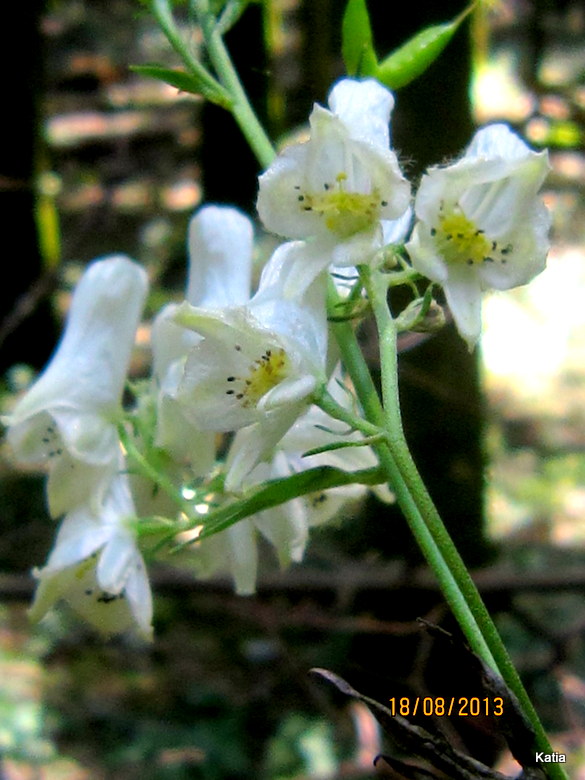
[[449, 706]]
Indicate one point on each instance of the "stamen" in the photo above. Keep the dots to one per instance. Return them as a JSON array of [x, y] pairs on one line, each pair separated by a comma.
[[345, 213], [265, 372], [461, 241]]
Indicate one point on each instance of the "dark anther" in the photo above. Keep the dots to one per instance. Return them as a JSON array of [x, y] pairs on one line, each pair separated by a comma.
[[106, 598]]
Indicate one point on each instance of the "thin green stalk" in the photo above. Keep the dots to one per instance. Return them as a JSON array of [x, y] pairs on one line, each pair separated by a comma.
[[150, 472], [355, 364], [474, 616], [163, 14], [241, 108]]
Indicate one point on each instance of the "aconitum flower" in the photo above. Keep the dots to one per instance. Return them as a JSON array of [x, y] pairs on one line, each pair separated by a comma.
[[97, 568], [481, 223], [287, 525], [338, 186], [220, 245], [68, 417], [256, 365]]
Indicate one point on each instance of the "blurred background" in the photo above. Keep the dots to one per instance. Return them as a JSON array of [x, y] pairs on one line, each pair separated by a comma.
[[97, 160]]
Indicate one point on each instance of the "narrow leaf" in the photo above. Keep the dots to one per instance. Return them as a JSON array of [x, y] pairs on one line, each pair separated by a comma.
[[340, 445], [185, 82], [278, 491], [357, 46], [414, 57]]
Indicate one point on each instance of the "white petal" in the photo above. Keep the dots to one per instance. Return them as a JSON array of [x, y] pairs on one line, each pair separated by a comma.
[[89, 368], [278, 195], [80, 535], [75, 483], [114, 562], [220, 251], [497, 140], [139, 597], [74, 403], [316, 164], [424, 255], [530, 244], [463, 294], [365, 108], [289, 391], [243, 556], [256, 443], [286, 528], [395, 231], [292, 269], [170, 343]]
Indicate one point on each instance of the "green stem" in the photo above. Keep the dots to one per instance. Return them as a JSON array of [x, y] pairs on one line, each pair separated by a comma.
[[150, 472], [241, 108], [433, 538], [164, 16]]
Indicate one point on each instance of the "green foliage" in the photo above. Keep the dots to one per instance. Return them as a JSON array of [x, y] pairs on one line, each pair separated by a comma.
[[357, 43], [185, 82], [278, 491], [404, 64], [411, 59]]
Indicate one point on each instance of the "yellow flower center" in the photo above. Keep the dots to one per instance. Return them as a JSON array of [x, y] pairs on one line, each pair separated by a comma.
[[265, 373], [461, 241], [344, 213]]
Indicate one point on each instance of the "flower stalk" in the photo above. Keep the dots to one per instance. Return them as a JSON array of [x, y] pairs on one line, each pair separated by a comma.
[[423, 519], [240, 106]]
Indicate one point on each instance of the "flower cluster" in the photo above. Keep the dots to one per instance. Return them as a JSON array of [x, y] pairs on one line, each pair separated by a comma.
[[236, 371]]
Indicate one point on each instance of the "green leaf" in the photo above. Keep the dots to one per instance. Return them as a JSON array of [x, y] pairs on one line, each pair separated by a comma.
[[185, 82], [414, 57], [357, 45], [278, 491], [341, 445]]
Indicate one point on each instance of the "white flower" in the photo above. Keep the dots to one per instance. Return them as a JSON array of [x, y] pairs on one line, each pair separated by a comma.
[[233, 550], [220, 267], [97, 568], [311, 430], [256, 365], [68, 417], [287, 526], [338, 186], [481, 223]]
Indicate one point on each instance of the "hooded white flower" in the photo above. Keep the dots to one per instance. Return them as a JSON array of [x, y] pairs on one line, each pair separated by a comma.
[[68, 417], [97, 568], [340, 185], [220, 246], [287, 526], [256, 365], [481, 223]]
